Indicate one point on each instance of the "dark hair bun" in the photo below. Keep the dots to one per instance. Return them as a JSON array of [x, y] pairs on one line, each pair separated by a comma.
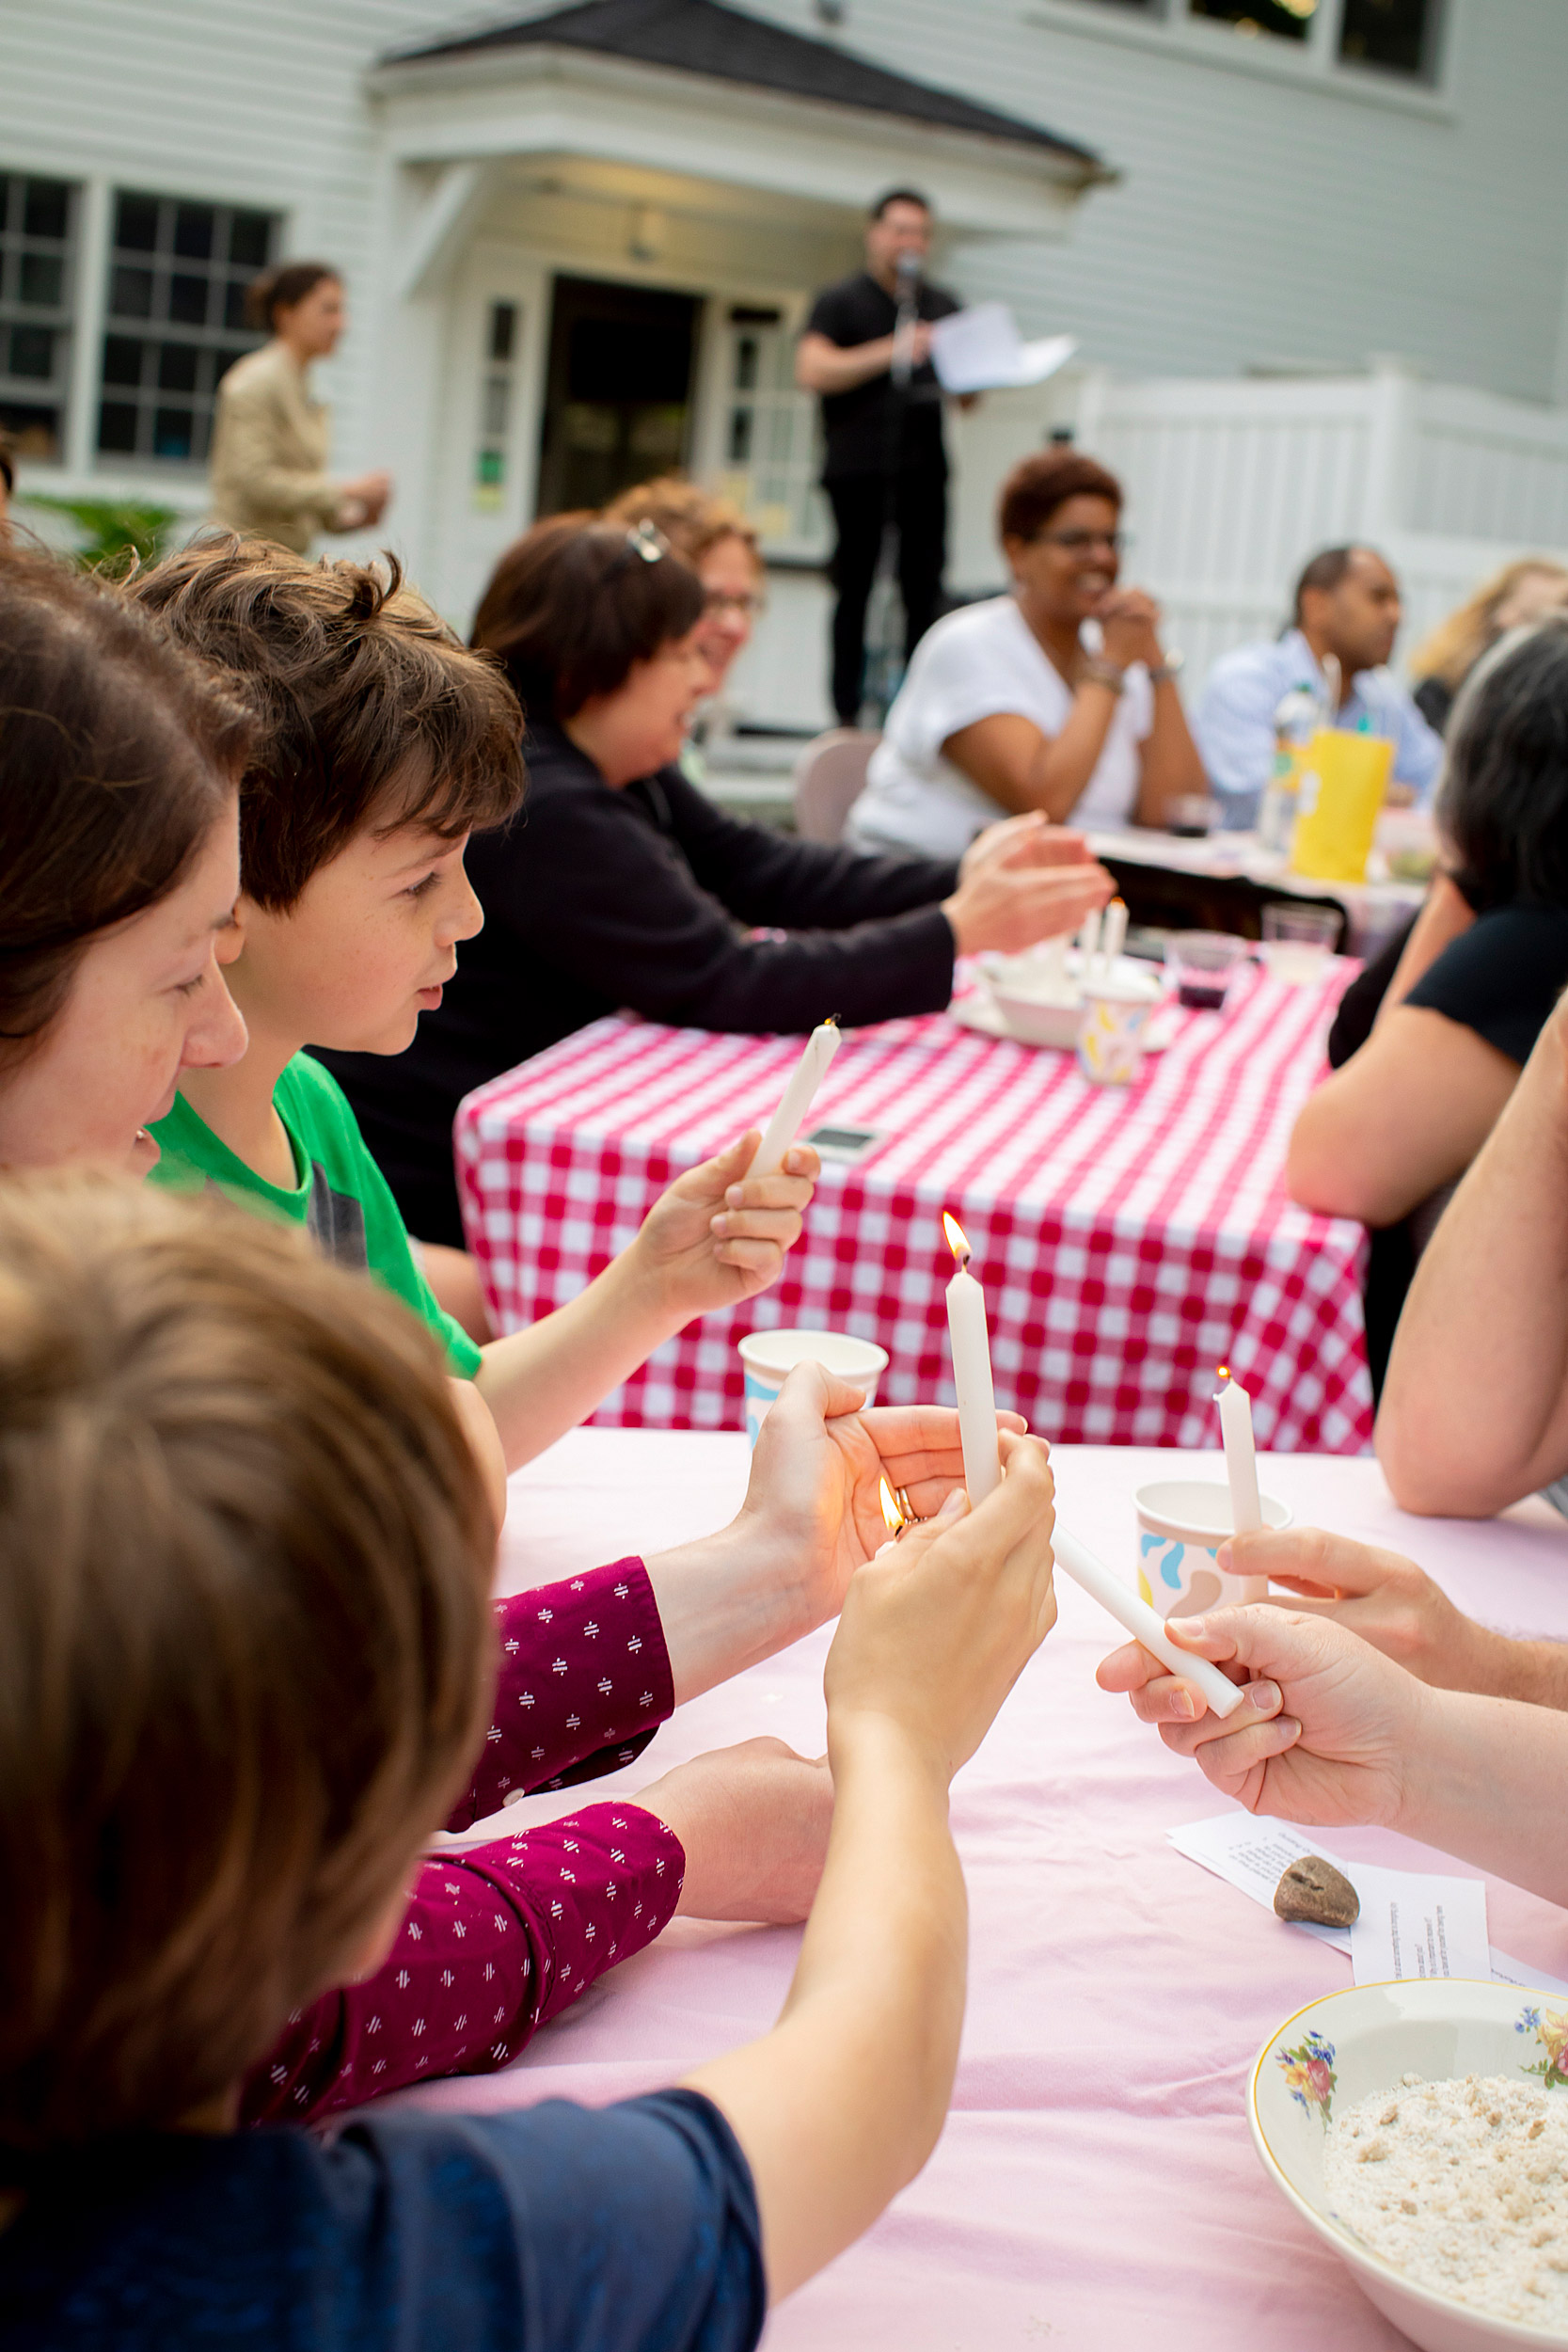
[[279, 288]]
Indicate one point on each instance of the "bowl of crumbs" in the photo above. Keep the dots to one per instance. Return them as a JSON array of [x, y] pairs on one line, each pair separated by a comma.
[[1422, 2129]]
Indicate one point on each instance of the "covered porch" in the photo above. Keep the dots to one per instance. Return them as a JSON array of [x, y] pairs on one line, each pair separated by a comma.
[[600, 230]]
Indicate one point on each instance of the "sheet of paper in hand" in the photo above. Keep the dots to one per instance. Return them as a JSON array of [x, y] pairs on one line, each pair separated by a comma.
[[980, 350]]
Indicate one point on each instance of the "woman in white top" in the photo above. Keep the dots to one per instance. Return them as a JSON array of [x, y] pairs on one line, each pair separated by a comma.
[[1004, 706]]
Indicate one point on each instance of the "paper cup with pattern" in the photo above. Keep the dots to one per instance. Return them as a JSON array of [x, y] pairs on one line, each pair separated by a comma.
[[1181, 1525], [769, 1357], [1111, 1035]]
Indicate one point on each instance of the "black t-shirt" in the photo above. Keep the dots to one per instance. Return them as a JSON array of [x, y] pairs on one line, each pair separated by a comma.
[[629, 2229], [1502, 976], [651, 897], [860, 425]]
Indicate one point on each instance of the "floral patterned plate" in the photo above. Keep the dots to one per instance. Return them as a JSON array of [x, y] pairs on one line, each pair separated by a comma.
[[1341, 2049]]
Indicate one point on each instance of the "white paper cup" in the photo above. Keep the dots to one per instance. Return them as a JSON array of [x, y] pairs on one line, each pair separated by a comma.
[[1111, 1035], [1181, 1525], [771, 1356]]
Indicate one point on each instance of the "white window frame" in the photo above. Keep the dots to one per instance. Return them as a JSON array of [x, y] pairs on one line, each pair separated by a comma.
[[82, 472], [1313, 64]]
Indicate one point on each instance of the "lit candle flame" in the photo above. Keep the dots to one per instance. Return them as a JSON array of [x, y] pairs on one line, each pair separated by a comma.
[[891, 1512], [1222, 1372], [957, 1240]]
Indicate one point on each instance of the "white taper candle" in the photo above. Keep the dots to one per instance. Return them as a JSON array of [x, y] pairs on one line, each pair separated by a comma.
[[1089, 946], [1113, 936], [807, 1075], [1241, 1469], [1134, 1613], [969, 1342]]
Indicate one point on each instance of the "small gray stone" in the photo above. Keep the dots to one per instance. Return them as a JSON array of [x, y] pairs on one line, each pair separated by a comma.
[[1314, 1889]]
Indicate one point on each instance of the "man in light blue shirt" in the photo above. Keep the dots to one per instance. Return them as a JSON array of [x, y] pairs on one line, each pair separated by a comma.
[[1347, 604]]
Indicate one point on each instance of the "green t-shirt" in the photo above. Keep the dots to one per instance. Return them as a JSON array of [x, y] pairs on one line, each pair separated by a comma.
[[341, 1199]]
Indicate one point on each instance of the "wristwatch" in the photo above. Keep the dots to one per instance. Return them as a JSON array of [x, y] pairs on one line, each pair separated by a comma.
[[1160, 672]]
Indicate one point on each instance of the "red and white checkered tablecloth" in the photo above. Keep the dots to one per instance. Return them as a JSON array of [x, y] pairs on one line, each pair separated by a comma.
[[1128, 1240]]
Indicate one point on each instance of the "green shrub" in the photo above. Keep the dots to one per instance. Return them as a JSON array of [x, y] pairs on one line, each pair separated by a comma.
[[112, 529]]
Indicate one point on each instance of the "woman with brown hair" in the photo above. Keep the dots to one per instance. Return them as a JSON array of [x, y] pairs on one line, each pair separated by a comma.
[[624, 886], [270, 438], [714, 539], [1522, 592], [119, 760], [1058, 697]]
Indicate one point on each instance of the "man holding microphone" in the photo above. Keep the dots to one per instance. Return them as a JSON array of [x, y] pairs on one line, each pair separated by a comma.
[[866, 351]]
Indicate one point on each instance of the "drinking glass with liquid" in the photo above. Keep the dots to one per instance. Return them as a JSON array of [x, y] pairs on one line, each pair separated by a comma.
[[1201, 964]]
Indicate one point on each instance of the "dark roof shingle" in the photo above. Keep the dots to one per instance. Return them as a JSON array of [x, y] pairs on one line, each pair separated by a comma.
[[703, 36]]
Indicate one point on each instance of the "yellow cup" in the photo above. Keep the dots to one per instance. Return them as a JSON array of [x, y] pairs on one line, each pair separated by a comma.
[[1343, 779]]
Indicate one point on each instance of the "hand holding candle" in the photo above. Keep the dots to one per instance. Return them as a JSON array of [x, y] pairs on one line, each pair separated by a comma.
[[970, 1345], [808, 1075], [969, 1342]]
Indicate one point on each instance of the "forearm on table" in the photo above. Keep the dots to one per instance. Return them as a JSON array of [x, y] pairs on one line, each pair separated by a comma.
[[1474, 1405], [726, 1602], [1484, 1780], [543, 1381], [583, 1683], [497, 1941], [840, 2105]]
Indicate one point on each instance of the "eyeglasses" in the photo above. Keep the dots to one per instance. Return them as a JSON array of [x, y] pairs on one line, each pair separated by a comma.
[[748, 604], [1076, 541]]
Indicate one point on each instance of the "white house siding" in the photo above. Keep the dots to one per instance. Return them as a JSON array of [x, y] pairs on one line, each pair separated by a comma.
[[1261, 219], [257, 105]]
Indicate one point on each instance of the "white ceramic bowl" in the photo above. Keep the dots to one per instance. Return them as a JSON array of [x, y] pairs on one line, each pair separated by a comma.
[[1343, 2048], [1042, 1015]]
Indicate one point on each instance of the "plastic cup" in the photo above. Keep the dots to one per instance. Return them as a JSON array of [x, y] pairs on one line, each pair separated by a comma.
[[1201, 964], [1298, 942], [768, 1357], [1111, 1035], [1181, 1525]]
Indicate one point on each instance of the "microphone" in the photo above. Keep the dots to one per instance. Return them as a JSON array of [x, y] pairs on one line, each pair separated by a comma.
[[908, 269]]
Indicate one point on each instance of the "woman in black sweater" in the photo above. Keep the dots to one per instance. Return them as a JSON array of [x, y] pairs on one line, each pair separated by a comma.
[[621, 885]]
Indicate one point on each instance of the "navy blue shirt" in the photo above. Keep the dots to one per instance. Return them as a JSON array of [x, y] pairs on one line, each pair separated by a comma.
[[557, 2228]]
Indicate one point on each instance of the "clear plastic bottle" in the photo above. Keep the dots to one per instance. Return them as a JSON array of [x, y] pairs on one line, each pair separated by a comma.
[[1296, 719]]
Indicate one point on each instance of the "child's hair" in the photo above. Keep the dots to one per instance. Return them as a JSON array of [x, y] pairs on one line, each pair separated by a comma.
[[118, 755], [243, 1655], [575, 603], [370, 712]]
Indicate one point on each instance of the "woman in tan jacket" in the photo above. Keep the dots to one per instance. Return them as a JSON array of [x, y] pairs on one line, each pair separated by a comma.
[[270, 438]]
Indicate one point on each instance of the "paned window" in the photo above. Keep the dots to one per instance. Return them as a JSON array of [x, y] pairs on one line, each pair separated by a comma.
[[1398, 34], [37, 235], [1287, 19], [177, 275]]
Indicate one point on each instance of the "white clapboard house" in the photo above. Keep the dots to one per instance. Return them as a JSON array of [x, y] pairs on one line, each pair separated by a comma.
[[1315, 253]]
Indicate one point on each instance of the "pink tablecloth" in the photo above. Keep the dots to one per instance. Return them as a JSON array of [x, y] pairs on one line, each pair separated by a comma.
[[1096, 2187], [1127, 1241]]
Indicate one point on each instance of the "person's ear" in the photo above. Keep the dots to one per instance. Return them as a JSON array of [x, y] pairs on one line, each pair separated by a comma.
[[232, 941]]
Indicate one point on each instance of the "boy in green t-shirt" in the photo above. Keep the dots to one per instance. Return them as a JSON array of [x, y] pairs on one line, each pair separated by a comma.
[[382, 743]]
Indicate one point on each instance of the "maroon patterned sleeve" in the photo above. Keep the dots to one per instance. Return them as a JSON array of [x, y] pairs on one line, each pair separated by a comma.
[[584, 1684], [497, 1941]]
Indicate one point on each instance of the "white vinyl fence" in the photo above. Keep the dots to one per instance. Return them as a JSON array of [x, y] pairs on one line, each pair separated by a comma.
[[1232, 484]]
